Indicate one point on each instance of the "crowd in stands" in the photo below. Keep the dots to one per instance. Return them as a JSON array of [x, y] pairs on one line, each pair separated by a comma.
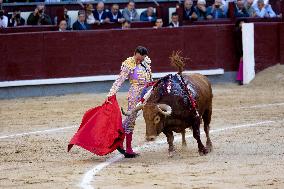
[[99, 15]]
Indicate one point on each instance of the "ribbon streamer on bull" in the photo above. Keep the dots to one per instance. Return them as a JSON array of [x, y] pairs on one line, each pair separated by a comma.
[[179, 62]]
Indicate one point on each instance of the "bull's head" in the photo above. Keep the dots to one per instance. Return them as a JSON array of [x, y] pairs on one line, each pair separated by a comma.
[[154, 116]]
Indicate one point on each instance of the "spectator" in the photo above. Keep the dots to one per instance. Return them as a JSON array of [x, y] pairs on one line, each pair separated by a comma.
[[65, 17], [3, 19], [15, 19], [126, 25], [240, 10], [201, 10], [264, 11], [115, 15], [189, 12], [216, 10], [250, 8], [158, 23], [239, 48], [81, 24], [130, 13], [148, 15], [174, 23], [62, 25], [38, 17], [100, 14], [90, 18]]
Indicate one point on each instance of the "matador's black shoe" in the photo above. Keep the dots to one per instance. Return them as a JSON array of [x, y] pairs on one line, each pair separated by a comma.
[[128, 155], [121, 150]]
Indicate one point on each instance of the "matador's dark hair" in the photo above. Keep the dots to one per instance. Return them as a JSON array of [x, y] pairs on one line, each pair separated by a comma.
[[141, 50]]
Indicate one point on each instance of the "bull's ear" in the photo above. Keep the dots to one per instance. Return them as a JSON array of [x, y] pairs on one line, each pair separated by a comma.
[[157, 119]]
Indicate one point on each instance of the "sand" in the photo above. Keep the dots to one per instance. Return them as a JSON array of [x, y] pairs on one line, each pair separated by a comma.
[[248, 157]]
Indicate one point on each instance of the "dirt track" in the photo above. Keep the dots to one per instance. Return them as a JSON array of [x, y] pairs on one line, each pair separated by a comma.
[[248, 157]]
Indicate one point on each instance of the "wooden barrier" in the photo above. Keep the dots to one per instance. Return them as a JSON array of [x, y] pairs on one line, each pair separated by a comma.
[[43, 55], [21, 29]]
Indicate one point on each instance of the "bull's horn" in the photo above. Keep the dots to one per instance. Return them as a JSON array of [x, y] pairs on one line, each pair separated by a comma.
[[164, 109], [136, 109]]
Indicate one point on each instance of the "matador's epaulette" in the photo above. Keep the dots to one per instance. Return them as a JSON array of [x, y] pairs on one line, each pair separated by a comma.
[[129, 63]]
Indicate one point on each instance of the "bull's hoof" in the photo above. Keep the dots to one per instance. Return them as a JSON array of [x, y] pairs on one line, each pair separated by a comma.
[[171, 154], [203, 152], [209, 147], [184, 146]]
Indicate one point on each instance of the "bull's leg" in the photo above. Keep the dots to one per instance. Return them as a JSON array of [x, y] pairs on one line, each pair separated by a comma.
[[183, 138], [207, 119], [196, 134], [170, 139]]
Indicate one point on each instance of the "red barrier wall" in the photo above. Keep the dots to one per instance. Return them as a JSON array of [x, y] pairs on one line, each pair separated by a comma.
[[266, 45], [281, 43], [86, 53]]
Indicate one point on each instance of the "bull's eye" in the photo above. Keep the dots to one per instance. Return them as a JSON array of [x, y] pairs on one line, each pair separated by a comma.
[[157, 119]]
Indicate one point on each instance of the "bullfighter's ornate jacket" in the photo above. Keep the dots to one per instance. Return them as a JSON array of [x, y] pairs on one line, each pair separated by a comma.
[[139, 75]]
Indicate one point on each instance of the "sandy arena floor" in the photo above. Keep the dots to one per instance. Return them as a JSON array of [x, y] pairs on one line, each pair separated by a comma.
[[247, 157]]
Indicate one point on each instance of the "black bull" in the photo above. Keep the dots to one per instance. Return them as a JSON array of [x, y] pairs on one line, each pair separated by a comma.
[[169, 109]]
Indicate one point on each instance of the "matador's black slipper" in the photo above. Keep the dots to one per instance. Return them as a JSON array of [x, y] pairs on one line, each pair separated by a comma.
[[127, 155], [121, 150]]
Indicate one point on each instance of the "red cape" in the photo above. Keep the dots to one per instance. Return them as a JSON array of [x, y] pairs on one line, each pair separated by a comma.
[[101, 129]]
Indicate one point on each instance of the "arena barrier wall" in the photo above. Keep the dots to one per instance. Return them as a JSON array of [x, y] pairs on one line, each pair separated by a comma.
[[281, 32], [45, 55]]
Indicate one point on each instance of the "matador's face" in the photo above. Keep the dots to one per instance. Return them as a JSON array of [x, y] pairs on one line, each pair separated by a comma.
[[139, 58]]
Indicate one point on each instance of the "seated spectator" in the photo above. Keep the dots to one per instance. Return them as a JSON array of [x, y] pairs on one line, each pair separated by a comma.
[[126, 25], [189, 12], [100, 14], [130, 13], [3, 19], [250, 8], [90, 18], [115, 15], [158, 23], [264, 11], [201, 10], [15, 19], [38, 17], [174, 23], [240, 10], [62, 26], [81, 24], [216, 10], [65, 17], [148, 15]]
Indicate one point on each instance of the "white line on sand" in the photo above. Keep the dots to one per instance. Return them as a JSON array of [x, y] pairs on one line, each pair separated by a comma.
[[37, 132], [140, 117], [250, 107], [89, 176]]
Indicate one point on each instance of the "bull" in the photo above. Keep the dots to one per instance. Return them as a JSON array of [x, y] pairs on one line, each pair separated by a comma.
[[169, 109]]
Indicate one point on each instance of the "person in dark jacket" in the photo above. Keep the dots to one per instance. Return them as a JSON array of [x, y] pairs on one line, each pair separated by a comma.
[[15, 18], [38, 17], [239, 48], [81, 24], [148, 15], [115, 15], [174, 23], [100, 14], [189, 11], [216, 10], [240, 10]]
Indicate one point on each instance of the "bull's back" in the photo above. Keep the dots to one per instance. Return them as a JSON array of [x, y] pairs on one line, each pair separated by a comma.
[[204, 90]]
